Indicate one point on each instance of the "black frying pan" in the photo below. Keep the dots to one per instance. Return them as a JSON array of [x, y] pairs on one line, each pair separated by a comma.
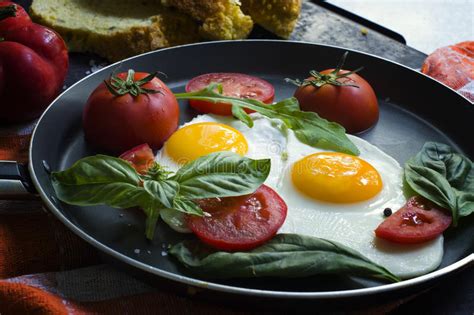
[[414, 109]]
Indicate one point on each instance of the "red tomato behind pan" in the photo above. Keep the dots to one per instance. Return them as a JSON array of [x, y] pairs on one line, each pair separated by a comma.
[[233, 84]]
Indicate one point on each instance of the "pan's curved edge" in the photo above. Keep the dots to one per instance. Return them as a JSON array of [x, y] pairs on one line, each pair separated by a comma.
[[465, 262]]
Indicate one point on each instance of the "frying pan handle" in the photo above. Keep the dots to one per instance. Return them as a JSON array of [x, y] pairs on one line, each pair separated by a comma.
[[15, 181]]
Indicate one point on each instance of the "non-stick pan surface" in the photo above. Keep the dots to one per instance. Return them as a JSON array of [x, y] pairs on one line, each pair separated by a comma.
[[414, 109]]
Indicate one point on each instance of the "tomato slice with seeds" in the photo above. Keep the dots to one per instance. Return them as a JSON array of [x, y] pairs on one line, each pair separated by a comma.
[[233, 84], [141, 157], [418, 221], [239, 223]]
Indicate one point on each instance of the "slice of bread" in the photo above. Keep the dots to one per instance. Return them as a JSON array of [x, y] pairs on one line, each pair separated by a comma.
[[221, 19], [115, 29], [277, 16]]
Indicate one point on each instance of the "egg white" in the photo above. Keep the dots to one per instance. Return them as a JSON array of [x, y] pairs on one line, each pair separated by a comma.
[[266, 139], [350, 224], [353, 224]]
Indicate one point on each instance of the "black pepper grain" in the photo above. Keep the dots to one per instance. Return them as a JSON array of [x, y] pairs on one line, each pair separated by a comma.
[[387, 212]]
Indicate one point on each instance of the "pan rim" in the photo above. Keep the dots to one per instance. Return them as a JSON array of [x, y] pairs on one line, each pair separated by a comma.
[[464, 262]]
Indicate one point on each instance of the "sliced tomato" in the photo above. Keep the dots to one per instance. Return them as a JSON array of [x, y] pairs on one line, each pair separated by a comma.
[[141, 157], [419, 220], [233, 84], [240, 223]]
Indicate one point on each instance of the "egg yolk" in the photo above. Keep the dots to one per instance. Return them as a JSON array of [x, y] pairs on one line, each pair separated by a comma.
[[196, 140], [336, 177]]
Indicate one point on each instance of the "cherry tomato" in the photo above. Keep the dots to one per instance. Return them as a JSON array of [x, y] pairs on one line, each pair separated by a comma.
[[419, 220], [115, 119], [233, 84], [355, 108], [240, 223], [141, 157]]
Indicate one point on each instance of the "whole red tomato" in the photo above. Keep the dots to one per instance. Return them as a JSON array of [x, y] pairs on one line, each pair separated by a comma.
[[340, 96], [33, 65], [130, 109]]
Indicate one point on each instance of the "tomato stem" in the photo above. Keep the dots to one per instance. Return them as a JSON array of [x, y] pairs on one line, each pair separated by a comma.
[[7, 11], [319, 79], [119, 87]]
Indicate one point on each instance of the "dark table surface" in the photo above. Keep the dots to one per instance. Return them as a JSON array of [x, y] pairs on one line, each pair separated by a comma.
[[453, 295]]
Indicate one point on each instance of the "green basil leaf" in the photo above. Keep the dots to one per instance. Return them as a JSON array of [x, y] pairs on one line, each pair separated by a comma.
[[289, 105], [286, 255], [309, 128], [221, 174], [187, 206], [175, 220], [98, 169], [241, 115], [163, 190], [98, 180], [465, 203], [432, 186], [444, 177], [439, 157]]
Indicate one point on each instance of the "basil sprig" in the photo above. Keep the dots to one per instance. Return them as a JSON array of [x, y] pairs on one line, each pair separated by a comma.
[[286, 255], [309, 128], [106, 180], [444, 177]]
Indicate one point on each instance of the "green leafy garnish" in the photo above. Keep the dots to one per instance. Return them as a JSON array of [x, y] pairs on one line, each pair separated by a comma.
[[309, 128], [318, 79], [286, 255], [118, 86], [106, 180], [444, 177]]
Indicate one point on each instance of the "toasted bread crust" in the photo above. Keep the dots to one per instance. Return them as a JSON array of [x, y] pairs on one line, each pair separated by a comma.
[[116, 29], [221, 19], [277, 16], [112, 39]]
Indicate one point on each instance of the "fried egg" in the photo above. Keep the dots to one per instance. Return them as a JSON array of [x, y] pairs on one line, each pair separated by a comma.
[[212, 133], [330, 195], [340, 197]]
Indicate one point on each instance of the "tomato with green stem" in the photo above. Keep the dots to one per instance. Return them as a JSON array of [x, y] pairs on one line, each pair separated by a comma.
[[339, 95], [130, 109]]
